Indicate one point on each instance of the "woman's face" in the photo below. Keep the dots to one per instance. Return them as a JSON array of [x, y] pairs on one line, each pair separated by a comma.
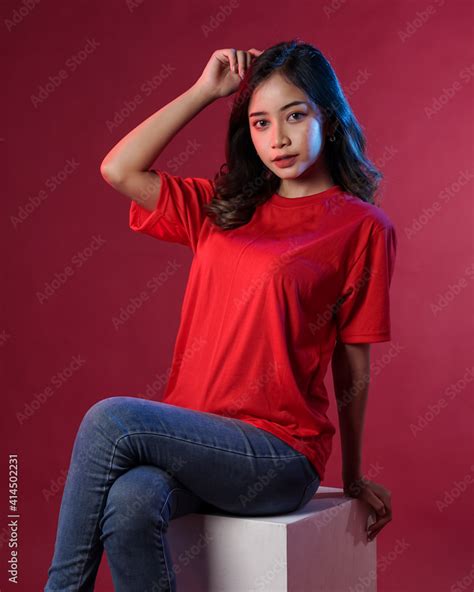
[[278, 129]]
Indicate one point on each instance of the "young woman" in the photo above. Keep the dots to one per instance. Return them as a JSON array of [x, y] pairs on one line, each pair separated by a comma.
[[291, 270]]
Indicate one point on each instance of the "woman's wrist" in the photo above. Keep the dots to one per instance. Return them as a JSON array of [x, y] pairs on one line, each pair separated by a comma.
[[203, 92], [351, 469], [353, 485]]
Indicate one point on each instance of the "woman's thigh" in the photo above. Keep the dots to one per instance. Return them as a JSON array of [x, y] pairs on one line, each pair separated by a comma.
[[224, 462]]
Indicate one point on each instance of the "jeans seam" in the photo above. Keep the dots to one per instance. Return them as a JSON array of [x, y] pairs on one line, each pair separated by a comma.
[[89, 546], [161, 534], [297, 455]]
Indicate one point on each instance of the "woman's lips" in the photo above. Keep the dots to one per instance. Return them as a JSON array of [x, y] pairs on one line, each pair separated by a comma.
[[285, 162]]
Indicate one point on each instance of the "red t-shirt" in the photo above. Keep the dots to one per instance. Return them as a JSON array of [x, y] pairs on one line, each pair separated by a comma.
[[265, 303]]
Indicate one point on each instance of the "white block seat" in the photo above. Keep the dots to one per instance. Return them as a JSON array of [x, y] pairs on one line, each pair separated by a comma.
[[322, 547]]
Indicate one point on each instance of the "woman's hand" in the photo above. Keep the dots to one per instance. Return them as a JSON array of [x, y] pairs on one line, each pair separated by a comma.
[[378, 497], [225, 71]]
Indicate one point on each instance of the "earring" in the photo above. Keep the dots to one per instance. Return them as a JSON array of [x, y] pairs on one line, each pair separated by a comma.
[[332, 138]]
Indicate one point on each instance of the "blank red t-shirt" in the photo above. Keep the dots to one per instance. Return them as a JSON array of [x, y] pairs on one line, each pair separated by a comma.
[[265, 302]]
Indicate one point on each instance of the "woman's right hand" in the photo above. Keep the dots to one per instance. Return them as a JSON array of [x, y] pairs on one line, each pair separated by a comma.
[[225, 71]]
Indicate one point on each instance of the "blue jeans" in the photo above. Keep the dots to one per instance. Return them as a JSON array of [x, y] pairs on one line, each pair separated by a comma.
[[136, 464]]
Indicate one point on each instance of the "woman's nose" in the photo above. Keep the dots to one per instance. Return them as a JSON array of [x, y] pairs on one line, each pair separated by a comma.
[[279, 140]]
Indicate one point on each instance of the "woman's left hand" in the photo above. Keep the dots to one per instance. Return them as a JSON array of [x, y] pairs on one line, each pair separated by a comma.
[[378, 497]]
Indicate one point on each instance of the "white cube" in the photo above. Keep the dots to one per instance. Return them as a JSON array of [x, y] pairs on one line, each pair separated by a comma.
[[320, 548]]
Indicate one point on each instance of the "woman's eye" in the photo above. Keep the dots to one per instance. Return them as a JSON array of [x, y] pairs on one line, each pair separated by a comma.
[[260, 120]]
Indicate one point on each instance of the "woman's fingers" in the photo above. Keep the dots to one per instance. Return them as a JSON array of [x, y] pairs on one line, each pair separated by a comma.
[[240, 60], [376, 527], [382, 504], [384, 517], [248, 59], [231, 54], [375, 500]]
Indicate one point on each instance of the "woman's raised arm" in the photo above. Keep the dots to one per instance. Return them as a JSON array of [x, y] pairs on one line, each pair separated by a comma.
[[126, 166]]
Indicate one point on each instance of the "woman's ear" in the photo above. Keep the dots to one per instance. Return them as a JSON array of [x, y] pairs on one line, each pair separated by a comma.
[[329, 126], [331, 130]]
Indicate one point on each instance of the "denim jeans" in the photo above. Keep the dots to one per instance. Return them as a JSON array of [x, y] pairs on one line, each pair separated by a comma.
[[136, 464]]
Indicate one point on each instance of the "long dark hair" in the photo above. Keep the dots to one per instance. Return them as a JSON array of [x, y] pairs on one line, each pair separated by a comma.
[[243, 181]]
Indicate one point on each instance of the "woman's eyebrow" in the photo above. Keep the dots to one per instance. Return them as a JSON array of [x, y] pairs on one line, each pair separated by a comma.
[[281, 108]]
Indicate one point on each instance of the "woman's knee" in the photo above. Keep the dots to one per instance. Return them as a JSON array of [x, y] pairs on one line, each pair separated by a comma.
[[97, 429], [105, 406], [104, 411], [135, 500]]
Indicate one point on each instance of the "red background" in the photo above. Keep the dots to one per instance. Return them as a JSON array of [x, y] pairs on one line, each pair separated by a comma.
[[413, 97]]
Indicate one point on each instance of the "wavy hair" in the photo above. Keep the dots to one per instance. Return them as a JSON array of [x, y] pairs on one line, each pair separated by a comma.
[[243, 181]]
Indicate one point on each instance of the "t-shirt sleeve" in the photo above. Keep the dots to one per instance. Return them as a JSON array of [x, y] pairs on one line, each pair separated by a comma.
[[364, 315], [179, 215]]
